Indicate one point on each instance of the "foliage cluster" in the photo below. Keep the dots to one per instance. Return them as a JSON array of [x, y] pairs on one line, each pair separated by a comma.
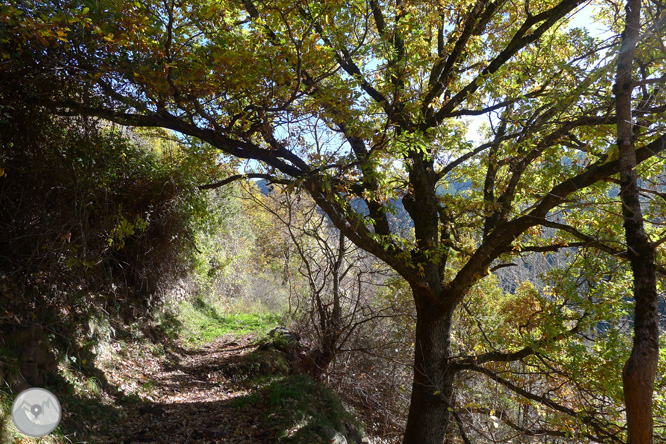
[[97, 224]]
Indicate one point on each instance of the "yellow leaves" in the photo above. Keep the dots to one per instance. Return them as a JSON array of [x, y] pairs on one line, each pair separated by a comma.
[[523, 309], [494, 419], [60, 35], [535, 231]]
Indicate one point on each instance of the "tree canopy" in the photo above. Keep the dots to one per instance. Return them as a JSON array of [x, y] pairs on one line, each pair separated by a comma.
[[492, 123]]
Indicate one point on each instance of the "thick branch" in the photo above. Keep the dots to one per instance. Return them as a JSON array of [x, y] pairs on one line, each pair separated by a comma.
[[505, 418], [477, 17], [234, 147], [235, 177], [592, 242], [498, 241], [521, 39], [603, 435]]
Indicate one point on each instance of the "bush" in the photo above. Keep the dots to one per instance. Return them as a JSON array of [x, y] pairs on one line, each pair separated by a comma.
[[96, 223], [302, 411]]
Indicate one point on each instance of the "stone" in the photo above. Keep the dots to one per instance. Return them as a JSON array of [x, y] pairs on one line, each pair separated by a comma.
[[284, 340], [331, 435], [215, 432], [36, 358], [355, 436]]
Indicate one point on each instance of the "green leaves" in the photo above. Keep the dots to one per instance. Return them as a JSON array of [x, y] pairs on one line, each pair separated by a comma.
[[454, 107], [124, 229]]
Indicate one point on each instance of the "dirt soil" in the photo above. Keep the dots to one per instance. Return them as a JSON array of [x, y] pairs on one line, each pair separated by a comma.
[[185, 396]]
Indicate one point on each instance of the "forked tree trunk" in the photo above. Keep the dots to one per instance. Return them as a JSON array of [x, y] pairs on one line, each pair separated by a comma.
[[432, 390]]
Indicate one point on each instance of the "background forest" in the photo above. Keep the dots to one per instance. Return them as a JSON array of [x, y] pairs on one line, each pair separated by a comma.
[[453, 213]]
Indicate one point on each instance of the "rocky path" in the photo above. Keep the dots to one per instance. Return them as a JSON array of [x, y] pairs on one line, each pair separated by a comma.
[[184, 395]]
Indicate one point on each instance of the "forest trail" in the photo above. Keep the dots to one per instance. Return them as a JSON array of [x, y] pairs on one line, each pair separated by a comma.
[[186, 395]]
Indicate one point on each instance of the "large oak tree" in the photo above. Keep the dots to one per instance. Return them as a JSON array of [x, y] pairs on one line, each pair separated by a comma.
[[380, 102]]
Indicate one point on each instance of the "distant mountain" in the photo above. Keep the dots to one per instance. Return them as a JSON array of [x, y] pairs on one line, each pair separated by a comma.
[[398, 217]]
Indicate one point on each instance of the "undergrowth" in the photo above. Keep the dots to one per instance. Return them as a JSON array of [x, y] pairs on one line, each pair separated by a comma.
[[302, 411]]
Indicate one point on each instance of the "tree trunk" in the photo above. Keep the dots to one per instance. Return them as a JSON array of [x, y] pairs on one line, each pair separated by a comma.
[[317, 362], [641, 367], [432, 389]]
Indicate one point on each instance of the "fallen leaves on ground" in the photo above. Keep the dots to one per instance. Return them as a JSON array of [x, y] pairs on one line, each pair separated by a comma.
[[181, 394]]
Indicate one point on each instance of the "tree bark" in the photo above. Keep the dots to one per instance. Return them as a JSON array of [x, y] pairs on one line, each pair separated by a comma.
[[432, 390], [640, 369]]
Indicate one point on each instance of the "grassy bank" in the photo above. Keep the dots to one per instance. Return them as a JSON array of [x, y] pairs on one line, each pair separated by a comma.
[[200, 320]]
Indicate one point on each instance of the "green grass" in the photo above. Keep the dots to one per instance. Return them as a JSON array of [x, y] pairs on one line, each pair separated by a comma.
[[299, 410], [202, 321], [252, 399], [7, 429]]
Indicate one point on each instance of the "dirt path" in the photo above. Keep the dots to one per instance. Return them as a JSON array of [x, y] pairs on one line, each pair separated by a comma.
[[186, 396]]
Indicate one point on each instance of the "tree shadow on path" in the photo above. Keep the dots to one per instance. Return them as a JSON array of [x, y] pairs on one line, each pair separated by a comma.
[[189, 398]]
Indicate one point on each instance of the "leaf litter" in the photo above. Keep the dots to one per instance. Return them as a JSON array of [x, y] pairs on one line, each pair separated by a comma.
[[183, 394]]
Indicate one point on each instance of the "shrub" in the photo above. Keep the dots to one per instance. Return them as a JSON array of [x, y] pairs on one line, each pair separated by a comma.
[[95, 222]]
